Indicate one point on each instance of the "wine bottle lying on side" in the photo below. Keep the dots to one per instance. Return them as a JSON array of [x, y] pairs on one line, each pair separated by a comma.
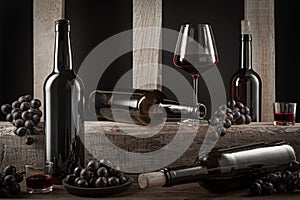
[[141, 107], [227, 169]]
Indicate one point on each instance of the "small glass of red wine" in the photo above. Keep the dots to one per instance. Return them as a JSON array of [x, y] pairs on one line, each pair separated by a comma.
[[284, 113], [195, 53], [39, 177]]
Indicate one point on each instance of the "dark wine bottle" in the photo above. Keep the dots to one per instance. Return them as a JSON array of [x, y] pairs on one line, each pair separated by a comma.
[[226, 169], [245, 84], [142, 107], [63, 101]]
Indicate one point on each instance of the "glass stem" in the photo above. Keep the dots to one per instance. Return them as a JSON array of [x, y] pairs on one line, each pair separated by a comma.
[[195, 85]]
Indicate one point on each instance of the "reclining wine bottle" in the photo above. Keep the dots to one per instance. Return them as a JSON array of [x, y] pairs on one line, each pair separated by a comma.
[[226, 169], [142, 107]]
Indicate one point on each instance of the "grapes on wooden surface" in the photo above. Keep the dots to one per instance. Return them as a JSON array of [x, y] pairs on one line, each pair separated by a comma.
[[96, 174], [234, 113], [9, 181], [277, 182], [25, 114]]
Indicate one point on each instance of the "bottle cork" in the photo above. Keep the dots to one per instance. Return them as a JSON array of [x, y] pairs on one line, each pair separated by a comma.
[[245, 27], [152, 179]]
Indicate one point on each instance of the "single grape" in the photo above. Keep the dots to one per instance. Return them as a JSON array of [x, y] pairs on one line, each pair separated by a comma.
[[229, 116], [101, 182], [36, 119], [21, 131], [17, 115], [85, 174], [8, 180], [29, 141], [9, 170], [122, 179], [93, 165], [22, 99], [102, 171], [227, 123], [19, 123], [239, 105], [113, 181], [273, 178], [248, 119], [231, 103], [35, 103], [241, 119], [25, 106], [16, 104], [29, 124], [6, 108], [26, 115], [9, 117], [114, 171], [28, 97], [214, 121], [236, 114], [221, 130], [287, 176], [77, 171], [220, 114], [81, 182]]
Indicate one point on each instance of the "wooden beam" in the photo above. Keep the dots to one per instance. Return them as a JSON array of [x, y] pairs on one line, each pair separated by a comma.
[[260, 13], [45, 13], [147, 72]]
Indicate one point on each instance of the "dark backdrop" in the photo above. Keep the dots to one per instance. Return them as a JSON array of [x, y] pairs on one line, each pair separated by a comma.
[[94, 21]]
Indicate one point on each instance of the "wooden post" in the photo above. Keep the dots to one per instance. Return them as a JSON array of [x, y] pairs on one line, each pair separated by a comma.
[[260, 13], [147, 72], [45, 13]]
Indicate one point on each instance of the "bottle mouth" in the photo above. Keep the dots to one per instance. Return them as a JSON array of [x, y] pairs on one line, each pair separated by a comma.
[[62, 25]]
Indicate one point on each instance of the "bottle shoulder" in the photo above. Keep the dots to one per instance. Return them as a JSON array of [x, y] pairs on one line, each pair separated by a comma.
[[246, 74], [62, 80]]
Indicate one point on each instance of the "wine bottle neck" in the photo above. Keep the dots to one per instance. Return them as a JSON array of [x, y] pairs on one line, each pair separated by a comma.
[[62, 52], [246, 51]]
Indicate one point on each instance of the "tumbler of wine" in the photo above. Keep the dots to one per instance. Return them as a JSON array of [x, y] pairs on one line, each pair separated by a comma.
[[195, 53]]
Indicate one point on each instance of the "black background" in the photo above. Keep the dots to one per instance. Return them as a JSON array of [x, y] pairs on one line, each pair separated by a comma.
[[94, 21]]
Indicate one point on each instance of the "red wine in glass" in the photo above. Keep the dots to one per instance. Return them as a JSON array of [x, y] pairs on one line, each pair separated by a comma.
[[284, 117], [39, 181], [195, 64]]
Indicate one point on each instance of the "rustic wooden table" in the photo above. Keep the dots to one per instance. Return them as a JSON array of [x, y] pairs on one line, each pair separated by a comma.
[[182, 192]]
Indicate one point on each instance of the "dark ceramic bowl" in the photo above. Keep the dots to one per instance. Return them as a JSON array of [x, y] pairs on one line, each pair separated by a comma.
[[97, 192]]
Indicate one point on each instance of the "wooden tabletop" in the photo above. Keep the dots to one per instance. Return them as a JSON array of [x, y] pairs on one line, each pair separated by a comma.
[[181, 192]]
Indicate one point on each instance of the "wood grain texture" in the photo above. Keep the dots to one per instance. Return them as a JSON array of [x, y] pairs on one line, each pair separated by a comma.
[[260, 13], [45, 13], [147, 22], [132, 138], [181, 192]]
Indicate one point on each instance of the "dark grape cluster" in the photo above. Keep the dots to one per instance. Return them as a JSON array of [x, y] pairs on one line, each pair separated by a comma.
[[96, 174], [10, 181], [227, 115], [277, 182], [25, 114]]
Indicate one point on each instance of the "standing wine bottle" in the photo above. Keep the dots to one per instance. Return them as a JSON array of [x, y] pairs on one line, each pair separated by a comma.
[[142, 107], [63, 101], [226, 169], [245, 84]]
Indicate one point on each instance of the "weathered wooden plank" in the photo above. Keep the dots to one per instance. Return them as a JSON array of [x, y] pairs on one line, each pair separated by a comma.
[[147, 72], [260, 13], [132, 139], [45, 13]]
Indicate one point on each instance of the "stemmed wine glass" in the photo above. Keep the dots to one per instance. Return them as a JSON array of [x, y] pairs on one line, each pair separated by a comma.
[[195, 53]]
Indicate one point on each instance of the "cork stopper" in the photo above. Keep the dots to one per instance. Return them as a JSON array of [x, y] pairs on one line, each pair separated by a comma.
[[152, 179], [245, 27]]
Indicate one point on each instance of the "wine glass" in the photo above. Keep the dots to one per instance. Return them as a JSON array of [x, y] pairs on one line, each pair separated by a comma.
[[195, 53]]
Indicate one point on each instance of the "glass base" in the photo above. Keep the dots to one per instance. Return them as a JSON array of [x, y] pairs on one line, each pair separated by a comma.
[[44, 190], [284, 123], [191, 122]]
